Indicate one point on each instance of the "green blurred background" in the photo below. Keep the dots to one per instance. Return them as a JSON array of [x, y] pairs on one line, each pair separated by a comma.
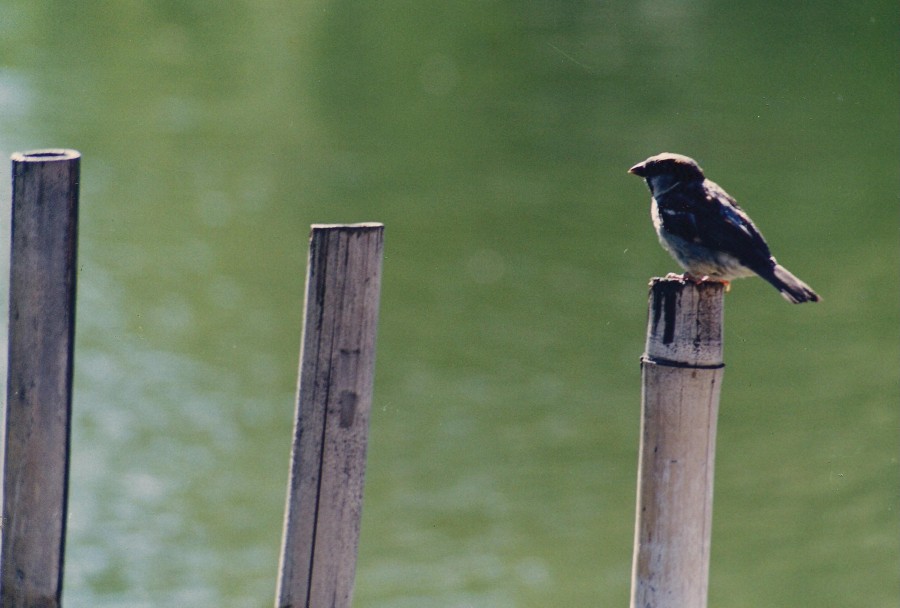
[[492, 139]]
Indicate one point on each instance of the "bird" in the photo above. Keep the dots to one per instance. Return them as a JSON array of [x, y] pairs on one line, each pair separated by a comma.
[[705, 230]]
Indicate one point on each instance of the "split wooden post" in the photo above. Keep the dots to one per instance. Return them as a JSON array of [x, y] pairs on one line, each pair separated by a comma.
[[682, 372], [334, 397], [39, 376]]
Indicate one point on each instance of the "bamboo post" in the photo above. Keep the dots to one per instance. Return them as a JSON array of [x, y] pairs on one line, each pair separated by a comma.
[[39, 378], [334, 396], [682, 374]]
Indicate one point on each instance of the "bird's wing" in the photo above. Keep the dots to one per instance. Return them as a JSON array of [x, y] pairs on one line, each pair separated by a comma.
[[709, 217]]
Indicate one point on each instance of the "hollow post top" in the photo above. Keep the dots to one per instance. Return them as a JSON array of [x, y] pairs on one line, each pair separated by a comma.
[[685, 321], [45, 156]]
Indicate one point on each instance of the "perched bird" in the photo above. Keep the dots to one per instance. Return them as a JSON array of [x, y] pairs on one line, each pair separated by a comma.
[[706, 232]]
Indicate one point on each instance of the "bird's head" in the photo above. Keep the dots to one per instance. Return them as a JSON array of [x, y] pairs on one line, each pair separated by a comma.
[[673, 167]]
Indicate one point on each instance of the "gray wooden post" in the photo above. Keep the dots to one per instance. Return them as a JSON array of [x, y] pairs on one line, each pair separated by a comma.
[[334, 396], [682, 374], [39, 379]]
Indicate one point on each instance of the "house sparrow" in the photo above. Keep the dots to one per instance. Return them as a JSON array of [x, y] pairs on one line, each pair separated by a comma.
[[705, 230]]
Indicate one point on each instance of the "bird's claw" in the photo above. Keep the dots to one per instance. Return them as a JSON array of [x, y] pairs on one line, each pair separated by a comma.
[[698, 280]]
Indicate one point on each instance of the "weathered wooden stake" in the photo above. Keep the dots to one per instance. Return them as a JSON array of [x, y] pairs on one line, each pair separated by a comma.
[[39, 379], [334, 396], [681, 373]]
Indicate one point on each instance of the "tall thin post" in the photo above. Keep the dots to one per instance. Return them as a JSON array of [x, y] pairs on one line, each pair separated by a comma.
[[682, 374], [334, 397], [39, 380]]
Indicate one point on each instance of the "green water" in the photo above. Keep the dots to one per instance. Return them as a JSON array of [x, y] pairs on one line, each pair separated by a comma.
[[492, 139]]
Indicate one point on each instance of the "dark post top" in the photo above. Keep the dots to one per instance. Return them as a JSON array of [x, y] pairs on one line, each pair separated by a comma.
[[685, 323]]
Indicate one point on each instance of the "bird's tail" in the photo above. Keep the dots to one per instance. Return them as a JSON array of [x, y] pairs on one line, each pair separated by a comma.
[[792, 289]]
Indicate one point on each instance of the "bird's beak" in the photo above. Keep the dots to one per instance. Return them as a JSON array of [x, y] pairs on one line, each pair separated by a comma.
[[638, 170]]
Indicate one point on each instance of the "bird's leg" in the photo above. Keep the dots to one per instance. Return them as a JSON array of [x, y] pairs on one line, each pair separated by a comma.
[[726, 284], [697, 280]]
